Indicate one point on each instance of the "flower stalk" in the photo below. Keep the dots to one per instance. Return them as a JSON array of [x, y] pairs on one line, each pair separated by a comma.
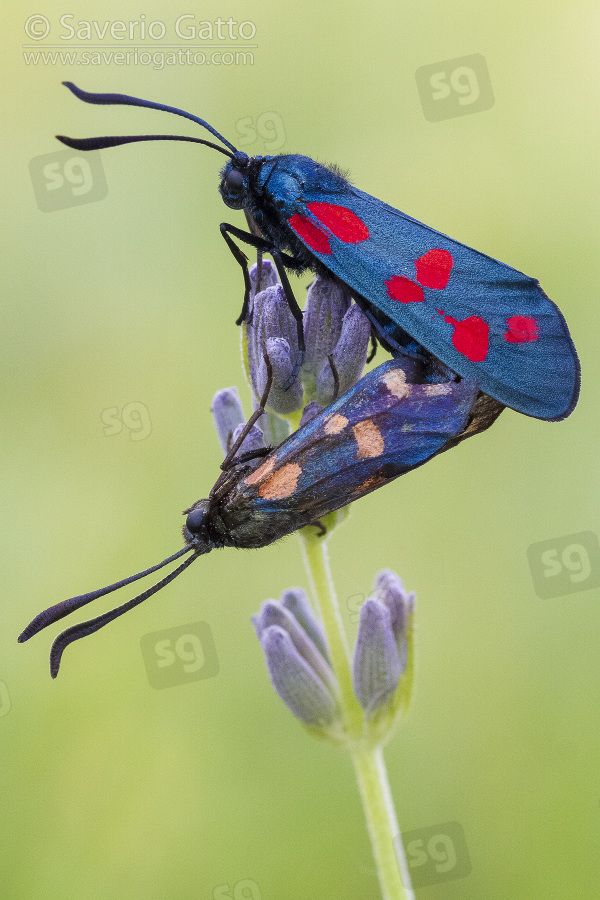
[[367, 758]]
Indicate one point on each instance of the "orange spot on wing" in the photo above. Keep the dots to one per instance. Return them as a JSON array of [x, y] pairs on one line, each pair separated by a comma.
[[282, 483], [334, 424], [262, 472], [369, 439], [395, 382], [437, 390], [371, 483]]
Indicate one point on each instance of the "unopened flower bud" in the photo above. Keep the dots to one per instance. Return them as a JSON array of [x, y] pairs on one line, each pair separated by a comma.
[[326, 304], [228, 414], [377, 665], [268, 278], [285, 394], [297, 661], [383, 651], [311, 410], [254, 440], [349, 356], [272, 319]]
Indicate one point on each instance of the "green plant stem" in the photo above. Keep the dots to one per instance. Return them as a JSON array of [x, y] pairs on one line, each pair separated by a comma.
[[316, 560], [368, 761], [382, 823]]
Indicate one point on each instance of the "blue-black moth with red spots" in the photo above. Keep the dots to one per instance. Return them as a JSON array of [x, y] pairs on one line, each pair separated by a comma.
[[424, 293], [390, 422]]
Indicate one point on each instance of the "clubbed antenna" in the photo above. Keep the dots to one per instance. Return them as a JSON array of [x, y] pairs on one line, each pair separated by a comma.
[[84, 628], [101, 143]]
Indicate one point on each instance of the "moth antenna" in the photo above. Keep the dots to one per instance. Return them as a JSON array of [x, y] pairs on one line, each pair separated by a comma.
[[126, 100], [68, 606], [84, 628], [101, 143]]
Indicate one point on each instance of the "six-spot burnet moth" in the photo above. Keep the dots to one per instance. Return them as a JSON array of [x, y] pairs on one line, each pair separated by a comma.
[[505, 337], [381, 428], [423, 292]]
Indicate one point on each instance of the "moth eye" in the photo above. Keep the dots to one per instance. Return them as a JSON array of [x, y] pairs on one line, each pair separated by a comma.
[[195, 521], [234, 182]]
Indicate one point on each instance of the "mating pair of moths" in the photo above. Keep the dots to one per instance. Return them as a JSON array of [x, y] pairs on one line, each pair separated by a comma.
[[468, 336]]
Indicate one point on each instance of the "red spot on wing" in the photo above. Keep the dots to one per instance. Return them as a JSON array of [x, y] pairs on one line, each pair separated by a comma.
[[433, 268], [521, 329], [404, 290], [471, 336], [341, 221], [309, 233]]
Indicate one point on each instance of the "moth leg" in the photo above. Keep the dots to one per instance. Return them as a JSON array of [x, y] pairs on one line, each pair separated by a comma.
[[230, 458], [378, 331], [261, 243], [293, 305], [371, 355], [222, 485], [254, 241], [321, 529], [336, 377], [253, 454], [254, 229], [242, 260]]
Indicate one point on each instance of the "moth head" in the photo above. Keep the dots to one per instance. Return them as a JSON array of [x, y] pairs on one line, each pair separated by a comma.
[[234, 182], [196, 528]]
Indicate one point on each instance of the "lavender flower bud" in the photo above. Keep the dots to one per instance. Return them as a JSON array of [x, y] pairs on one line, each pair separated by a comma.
[[349, 356], [311, 410], [326, 304], [299, 672], [299, 687], [383, 651], [254, 440], [274, 613], [298, 604], [401, 604], [271, 319], [228, 414], [376, 664], [268, 278], [283, 397]]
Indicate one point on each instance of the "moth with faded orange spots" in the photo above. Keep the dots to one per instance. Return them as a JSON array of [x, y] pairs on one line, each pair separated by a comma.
[[390, 422], [424, 293]]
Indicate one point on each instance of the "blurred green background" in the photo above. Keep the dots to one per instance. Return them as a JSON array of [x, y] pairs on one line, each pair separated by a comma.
[[209, 789]]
